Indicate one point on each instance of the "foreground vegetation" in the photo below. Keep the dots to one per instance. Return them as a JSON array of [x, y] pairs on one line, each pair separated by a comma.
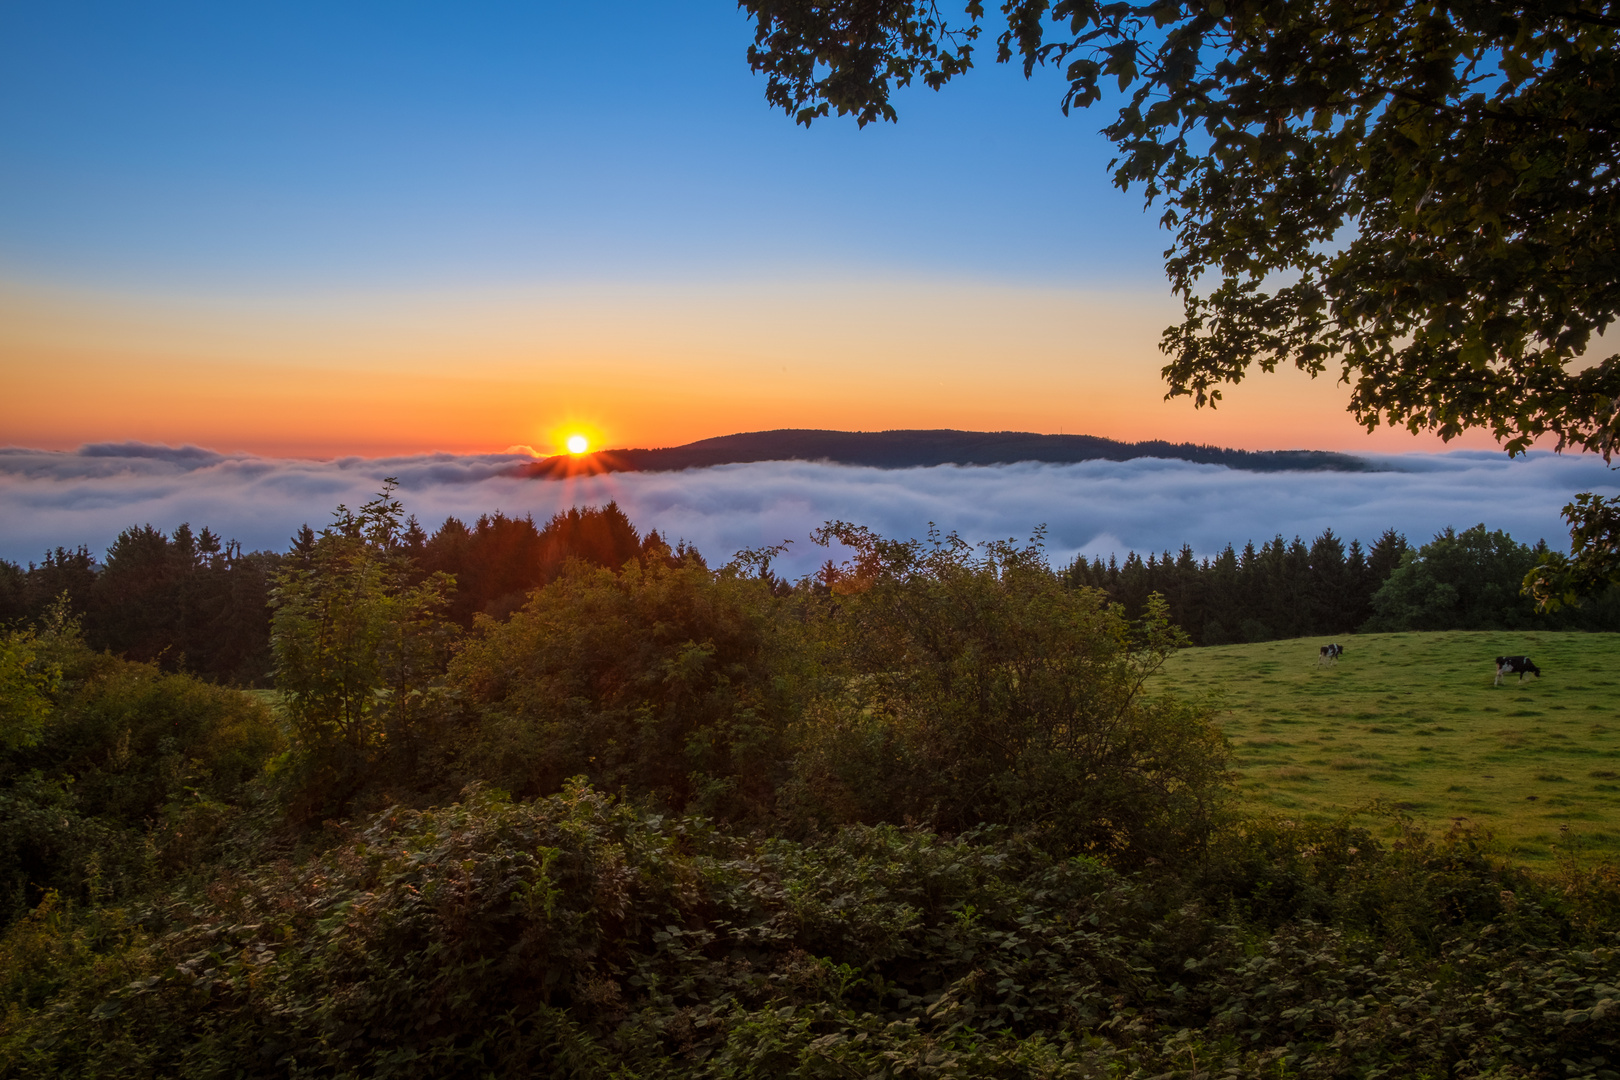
[[1413, 720], [571, 936], [933, 814]]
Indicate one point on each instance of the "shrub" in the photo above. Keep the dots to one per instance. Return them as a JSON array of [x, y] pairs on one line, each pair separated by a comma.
[[961, 687], [669, 682], [26, 682], [121, 748], [576, 936]]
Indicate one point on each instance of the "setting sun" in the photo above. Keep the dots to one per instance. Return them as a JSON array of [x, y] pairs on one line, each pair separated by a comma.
[[578, 444]]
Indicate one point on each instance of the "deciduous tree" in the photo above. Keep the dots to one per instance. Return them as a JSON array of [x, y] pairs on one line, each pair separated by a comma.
[[1423, 196], [1458, 581], [360, 645]]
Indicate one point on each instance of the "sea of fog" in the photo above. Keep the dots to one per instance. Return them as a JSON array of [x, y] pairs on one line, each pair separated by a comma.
[[87, 496]]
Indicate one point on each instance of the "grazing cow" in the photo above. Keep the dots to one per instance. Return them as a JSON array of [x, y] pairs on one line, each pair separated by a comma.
[[1508, 665], [1330, 654]]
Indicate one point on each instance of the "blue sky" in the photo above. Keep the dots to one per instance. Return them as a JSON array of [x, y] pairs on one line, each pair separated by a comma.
[[365, 228], [205, 146]]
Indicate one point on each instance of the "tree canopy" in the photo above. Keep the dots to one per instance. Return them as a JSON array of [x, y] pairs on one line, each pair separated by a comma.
[[1423, 195]]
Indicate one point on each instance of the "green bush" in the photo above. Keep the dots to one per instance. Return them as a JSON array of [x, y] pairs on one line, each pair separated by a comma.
[[576, 936], [961, 686], [125, 761], [936, 686], [27, 679], [667, 682]]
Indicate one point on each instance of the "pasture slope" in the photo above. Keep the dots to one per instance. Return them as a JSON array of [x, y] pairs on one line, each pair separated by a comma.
[[1412, 721]]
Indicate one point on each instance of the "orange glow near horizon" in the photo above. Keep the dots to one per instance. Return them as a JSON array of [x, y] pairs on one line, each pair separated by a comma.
[[624, 366], [575, 436]]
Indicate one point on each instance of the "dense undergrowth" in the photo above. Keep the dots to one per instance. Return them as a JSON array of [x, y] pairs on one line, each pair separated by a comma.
[[921, 818], [576, 936]]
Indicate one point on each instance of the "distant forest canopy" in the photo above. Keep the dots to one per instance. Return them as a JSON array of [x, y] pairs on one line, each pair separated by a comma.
[[189, 601], [919, 449], [1467, 580]]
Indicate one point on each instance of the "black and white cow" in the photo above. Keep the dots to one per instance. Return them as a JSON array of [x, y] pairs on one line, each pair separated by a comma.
[[1509, 665], [1330, 654]]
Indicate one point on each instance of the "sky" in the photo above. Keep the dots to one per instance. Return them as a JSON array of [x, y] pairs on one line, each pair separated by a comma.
[[315, 230]]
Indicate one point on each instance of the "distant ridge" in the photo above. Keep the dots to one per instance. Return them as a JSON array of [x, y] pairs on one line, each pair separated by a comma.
[[915, 449]]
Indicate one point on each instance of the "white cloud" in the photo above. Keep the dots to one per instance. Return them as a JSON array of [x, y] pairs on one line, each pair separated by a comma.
[[87, 496]]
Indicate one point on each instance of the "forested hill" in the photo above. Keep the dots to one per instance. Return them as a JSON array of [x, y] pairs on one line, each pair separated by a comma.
[[912, 449]]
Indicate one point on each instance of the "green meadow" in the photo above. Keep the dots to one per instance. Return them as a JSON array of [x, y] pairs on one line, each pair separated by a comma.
[[1412, 722]]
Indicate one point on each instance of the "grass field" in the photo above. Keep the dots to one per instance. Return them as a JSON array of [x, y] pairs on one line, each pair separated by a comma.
[[1412, 721]]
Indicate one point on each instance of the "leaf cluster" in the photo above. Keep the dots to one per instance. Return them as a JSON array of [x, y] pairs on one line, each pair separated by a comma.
[[849, 55], [1593, 563]]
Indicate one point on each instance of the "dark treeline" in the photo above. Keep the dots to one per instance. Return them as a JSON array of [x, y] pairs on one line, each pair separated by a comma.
[[186, 601], [189, 601], [499, 560], [1469, 580], [1279, 590]]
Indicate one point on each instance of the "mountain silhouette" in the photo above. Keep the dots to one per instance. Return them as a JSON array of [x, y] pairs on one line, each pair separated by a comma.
[[916, 449]]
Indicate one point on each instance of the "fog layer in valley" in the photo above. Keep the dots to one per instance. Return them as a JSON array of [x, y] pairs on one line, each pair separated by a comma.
[[87, 496]]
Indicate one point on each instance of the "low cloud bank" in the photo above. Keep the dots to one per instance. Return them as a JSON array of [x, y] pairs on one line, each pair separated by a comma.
[[1099, 507]]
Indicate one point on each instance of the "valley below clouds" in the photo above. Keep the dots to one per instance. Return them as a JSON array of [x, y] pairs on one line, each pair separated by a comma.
[[87, 496]]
